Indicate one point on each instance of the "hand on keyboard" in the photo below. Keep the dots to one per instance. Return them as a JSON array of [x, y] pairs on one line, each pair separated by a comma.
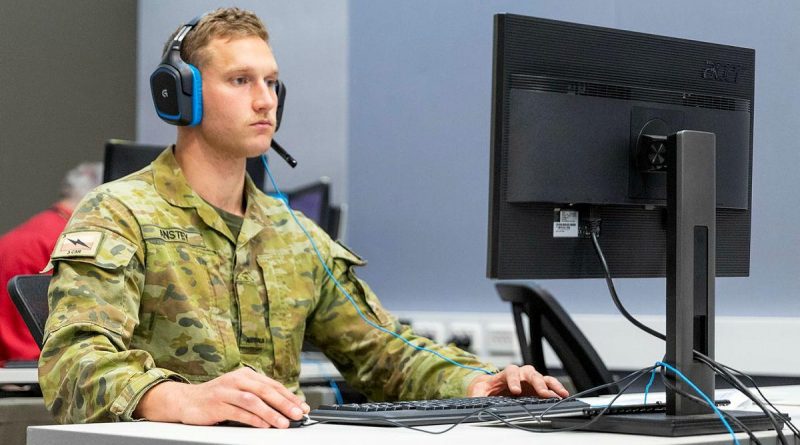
[[516, 381]]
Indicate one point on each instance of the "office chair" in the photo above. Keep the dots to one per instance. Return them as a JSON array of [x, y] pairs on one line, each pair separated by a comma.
[[547, 320], [29, 294], [122, 158], [334, 219]]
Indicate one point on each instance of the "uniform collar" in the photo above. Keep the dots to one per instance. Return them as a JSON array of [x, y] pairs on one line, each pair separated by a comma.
[[171, 184]]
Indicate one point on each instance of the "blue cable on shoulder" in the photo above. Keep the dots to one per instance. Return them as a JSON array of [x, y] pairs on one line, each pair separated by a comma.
[[346, 294]]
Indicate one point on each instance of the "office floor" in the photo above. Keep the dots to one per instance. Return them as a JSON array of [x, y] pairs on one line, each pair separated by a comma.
[[17, 413]]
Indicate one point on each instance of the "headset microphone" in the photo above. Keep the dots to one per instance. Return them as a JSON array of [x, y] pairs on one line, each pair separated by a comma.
[[280, 90], [283, 154]]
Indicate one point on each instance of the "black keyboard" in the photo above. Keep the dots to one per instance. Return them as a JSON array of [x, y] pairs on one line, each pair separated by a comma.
[[441, 411]]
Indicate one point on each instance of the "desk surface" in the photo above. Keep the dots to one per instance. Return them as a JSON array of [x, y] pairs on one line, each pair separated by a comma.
[[18, 376], [786, 399], [162, 433]]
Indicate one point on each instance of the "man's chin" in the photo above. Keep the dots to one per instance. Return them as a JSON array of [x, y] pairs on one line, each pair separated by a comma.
[[258, 149]]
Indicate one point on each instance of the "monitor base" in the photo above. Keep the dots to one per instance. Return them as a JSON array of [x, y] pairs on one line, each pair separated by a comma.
[[661, 424]]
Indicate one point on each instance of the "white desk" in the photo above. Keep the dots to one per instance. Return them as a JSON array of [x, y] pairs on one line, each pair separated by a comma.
[[161, 433], [786, 399], [18, 376]]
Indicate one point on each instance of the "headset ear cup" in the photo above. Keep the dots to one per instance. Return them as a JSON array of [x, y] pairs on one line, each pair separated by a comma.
[[176, 86], [165, 86], [177, 91], [197, 96]]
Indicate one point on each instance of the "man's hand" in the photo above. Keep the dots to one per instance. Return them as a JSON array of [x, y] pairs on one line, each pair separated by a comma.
[[516, 381], [243, 396]]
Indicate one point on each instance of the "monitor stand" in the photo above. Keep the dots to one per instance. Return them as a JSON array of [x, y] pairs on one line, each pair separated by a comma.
[[691, 269]]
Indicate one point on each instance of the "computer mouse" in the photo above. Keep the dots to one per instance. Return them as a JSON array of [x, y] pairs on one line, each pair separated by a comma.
[[292, 423], [298, 423]]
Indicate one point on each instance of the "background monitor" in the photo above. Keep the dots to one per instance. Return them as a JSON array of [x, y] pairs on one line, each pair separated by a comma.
[[125, 157], [569, 102], [314, 200]]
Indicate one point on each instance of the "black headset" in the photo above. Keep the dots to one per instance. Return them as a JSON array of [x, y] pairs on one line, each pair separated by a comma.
[[177, 87]]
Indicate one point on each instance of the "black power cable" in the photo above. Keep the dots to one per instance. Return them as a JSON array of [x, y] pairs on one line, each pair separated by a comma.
[[702, 402], [778, 414], [737, 384], [614, 296], [698, 355]]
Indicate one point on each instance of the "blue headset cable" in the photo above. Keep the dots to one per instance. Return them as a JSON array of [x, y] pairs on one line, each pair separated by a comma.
[[649, 384], [337, 393], [344, 292], [705, 397]]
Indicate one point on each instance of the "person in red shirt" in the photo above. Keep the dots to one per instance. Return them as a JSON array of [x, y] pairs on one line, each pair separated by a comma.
[[26, 249]]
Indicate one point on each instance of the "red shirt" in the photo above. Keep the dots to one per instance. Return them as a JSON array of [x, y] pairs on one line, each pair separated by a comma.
[[25, 250]]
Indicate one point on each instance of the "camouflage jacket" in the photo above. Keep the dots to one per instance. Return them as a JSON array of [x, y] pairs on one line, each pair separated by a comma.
[[150, 285]]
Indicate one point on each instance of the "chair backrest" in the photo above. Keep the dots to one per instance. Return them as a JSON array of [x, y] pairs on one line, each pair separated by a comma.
[[334, 221], [547, 320], [123, 157], [29, 294]]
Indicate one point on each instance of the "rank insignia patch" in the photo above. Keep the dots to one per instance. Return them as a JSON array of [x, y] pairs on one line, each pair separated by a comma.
[[78, 244]]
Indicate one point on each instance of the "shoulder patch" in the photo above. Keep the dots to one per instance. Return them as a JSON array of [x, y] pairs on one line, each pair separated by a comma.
[[78, 244]]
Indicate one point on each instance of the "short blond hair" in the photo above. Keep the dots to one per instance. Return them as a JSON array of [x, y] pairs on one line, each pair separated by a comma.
[[222, 22]]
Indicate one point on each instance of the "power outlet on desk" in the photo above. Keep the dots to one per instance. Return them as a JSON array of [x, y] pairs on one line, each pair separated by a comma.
[[501, 344], [429, 329], [465, 335]]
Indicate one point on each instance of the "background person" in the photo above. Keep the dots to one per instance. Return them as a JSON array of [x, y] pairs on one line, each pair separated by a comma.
[[26, 249]]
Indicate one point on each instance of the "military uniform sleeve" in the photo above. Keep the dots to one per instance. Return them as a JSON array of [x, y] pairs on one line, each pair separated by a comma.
[[376, 363], [87, 371]]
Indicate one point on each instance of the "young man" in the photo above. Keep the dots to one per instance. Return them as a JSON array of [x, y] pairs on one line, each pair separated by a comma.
[[183, 294]]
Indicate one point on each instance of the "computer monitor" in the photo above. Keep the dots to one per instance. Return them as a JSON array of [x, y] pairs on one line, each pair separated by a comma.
[[314, 201], [581, 116], [125, 157]]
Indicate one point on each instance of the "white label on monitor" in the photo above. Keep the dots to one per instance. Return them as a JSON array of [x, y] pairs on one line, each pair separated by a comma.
[[565, 223]]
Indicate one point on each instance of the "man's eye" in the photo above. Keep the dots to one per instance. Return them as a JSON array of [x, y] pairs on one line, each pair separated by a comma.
[[272, 84], [240, 80]]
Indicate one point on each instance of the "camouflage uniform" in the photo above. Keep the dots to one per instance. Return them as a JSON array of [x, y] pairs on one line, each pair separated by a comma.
[[150, 285]]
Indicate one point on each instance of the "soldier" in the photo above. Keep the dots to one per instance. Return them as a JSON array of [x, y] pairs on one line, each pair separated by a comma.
[[182, 293]]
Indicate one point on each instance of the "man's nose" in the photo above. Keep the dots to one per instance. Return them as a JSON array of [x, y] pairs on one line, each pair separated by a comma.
[[265, 97]]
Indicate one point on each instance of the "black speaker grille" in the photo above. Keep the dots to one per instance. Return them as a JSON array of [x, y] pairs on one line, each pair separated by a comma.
[[165, 93], [581, 88]]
